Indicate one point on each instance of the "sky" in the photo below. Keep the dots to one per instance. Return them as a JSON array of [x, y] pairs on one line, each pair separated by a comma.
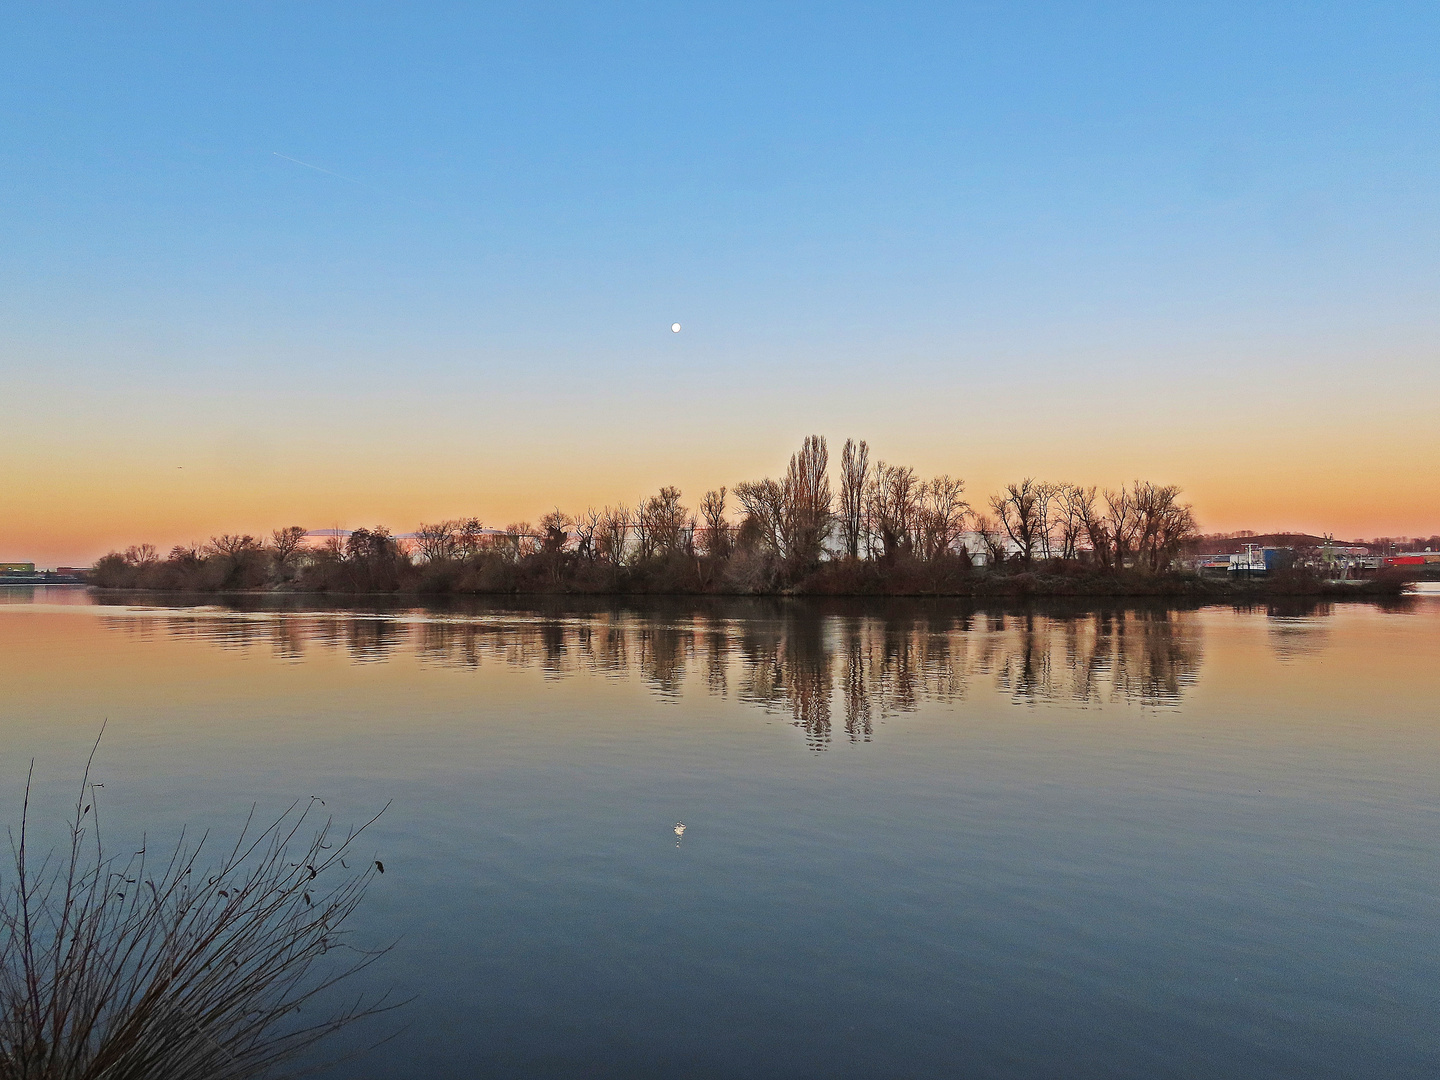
[[357, 264]]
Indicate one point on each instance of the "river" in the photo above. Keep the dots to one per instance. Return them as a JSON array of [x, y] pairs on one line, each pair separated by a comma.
[[919, 839]]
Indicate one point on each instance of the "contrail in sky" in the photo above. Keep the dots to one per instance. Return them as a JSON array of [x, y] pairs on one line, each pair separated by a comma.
[[317, 168]]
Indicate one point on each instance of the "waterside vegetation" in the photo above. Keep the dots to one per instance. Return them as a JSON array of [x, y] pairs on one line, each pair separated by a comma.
[[886, 531], [147, 966]]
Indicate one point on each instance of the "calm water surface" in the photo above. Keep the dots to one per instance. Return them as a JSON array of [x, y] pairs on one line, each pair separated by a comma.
[[920, 840]]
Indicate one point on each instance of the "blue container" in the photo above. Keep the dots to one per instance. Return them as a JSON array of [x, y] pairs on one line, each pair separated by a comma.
[[1279, 559]]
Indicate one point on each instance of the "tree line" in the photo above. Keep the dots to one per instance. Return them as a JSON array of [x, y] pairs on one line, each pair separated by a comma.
[[881, 527]]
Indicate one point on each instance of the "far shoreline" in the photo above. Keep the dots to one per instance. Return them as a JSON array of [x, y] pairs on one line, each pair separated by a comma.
[[1004, 589]]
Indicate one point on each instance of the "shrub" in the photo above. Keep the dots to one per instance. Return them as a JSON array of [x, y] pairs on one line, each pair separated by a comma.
[[141, 969]]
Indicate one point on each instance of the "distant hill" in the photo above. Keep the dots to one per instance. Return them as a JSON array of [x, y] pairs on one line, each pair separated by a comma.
[[1227, 544]]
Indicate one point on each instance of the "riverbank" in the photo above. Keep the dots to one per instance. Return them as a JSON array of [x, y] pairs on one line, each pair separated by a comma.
[[863, 583]]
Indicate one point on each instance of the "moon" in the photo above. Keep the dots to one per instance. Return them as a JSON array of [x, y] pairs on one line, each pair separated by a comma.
[[674, 328]]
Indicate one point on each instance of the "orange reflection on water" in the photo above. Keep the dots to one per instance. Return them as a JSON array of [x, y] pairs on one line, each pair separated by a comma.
[[835, 672]]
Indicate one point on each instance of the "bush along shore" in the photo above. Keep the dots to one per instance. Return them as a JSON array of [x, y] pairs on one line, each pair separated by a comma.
[[886, 532]]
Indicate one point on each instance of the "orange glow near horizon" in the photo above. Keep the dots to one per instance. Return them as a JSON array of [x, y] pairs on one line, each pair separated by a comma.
[[69, 512]]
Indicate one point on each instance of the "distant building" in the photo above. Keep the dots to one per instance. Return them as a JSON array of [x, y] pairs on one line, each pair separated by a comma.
[[1212, 563], [1414, 558], [1254, 561], [17, 567]]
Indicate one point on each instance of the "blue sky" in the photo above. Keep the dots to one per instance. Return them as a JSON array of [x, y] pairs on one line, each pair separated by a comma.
[[969, 232]]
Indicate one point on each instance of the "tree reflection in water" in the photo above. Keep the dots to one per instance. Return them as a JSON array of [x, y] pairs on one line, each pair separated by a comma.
[[788, 665], [1146, 657], [810, 662]]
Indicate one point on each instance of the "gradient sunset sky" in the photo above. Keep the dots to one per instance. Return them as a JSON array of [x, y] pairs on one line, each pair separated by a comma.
[[348, 264]]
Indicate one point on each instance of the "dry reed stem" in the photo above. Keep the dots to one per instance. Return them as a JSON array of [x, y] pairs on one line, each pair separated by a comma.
[[168, 970]]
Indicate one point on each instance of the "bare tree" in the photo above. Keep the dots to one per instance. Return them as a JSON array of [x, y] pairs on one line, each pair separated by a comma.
[[231, 546], [764, 504], [717, 529], [892, 507], [285, 543], [185, 553], [238, 557], [554, 530], [143, 555], [438, 541], [1178, 529], [854, 478], [791, 517], [1018, 511], [520, 539], [661, 523], [993, 539], [468, 536], [942, 515], [808, 503], [614, 533], [1121, 523], [587, 528], [1047, 506], [371, 545], [1162, 524], [1071, 519], [1095, 525], [644, 537]]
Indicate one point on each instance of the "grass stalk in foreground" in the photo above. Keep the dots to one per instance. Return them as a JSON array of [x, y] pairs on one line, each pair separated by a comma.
[[142, 968]]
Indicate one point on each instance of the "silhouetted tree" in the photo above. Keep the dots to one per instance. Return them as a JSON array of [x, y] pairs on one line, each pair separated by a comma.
[[661, 523], [285, 543], [437, 541], [186, 555], [614, 533], [764, 504], [469, 534], [1122, 523], [587, 527], [1018, 511], [1071, 519], [230, 545], [237, 560], [993, 538], [717, 529], [142, 555], [893, 508], [370, 545], [1162, 524], [854, 478], [554, 531], [1097, 528], [942, 515], [1047, 504], [808, 512]]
